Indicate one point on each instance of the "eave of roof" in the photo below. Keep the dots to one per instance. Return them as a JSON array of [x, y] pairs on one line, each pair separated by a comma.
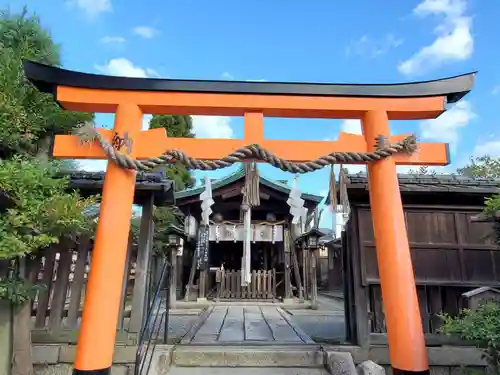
[[316, 231], [237, 175], [431, 184], [146, 184], [47, 78]]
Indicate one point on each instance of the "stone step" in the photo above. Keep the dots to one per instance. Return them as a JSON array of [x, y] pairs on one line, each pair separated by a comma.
[[301, 356], [246, 371]]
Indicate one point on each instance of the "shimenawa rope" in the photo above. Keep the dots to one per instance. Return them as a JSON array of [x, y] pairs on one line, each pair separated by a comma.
[[87, 133]]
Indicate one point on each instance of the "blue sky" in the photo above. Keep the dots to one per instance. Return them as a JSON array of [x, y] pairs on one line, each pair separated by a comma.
[[356, 41]]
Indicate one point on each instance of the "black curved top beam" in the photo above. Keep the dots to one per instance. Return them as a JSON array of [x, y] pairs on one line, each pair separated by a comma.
[[47, 78]]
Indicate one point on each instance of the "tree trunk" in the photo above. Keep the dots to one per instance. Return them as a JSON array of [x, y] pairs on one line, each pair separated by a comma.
[[43, 148], [22, 363]]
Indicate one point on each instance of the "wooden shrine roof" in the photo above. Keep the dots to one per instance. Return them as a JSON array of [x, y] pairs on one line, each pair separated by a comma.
[[89, 183], [434, 183], [278, 186], [357, 184], [47, 78]]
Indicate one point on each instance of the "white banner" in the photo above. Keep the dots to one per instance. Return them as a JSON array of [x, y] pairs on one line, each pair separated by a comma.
[[236, 233]]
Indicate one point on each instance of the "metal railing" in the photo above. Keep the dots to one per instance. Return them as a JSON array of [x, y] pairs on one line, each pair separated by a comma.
[[156, 320]]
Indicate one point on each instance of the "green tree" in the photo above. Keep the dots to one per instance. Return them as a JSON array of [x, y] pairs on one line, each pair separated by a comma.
[[486, 167], [482, 166], [422, 170], [179, 127], [44, 214], [44, 211], [28, 118], [176, 125], [482, 327]]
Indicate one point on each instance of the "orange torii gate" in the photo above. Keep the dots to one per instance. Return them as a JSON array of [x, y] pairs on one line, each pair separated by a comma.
[[130, 98]]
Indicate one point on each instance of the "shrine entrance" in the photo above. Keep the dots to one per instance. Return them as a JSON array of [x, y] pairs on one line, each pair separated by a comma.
[[268, 228], [130, 98], [225, 281]]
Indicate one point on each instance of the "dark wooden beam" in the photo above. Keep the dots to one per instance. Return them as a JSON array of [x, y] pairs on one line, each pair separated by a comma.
[[265, 196], [231, 194]]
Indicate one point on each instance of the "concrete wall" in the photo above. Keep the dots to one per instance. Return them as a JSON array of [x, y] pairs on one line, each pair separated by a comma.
[[57, 359], [445, 360]]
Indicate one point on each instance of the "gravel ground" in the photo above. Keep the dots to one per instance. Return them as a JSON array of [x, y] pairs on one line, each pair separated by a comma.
[[325, 325], [178, 326]]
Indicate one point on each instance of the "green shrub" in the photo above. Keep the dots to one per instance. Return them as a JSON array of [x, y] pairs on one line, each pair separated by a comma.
[[18, 291], [481, 326]]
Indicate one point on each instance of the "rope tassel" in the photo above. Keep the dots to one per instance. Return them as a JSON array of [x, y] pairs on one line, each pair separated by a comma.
[[252, 181], [332, 191], [251, 152], [343, 198]]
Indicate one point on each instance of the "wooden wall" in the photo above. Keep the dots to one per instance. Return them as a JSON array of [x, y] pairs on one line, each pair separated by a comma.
[[57, 310], [450, 254], [64, 270]]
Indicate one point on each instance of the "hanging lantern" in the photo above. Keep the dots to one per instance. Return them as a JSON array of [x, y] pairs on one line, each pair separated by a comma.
[[190, 226], [310, 239], [218, 218], [270, 216], [217, 233]]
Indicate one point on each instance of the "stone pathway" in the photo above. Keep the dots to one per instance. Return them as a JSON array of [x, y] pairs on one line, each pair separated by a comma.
[[246, 325]]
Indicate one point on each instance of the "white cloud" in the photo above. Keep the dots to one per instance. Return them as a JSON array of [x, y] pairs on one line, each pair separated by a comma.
[[145, 121], [484, 147], [125, 68], [92, 7], [152, 73], [227, 75], [112, 39], [93, 165], [212, 127], [490, 148], [351, 126], [454, 41], [145, 31], [446, 127], [369, 47]]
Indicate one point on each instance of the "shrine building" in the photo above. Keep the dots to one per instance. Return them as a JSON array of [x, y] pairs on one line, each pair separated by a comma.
[[278, 267]]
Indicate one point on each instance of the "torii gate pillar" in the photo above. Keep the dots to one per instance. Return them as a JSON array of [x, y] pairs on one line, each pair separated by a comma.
[[96, 341], [399, 295]]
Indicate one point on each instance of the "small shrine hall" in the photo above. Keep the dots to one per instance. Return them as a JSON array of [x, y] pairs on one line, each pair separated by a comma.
[[278, 264]]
